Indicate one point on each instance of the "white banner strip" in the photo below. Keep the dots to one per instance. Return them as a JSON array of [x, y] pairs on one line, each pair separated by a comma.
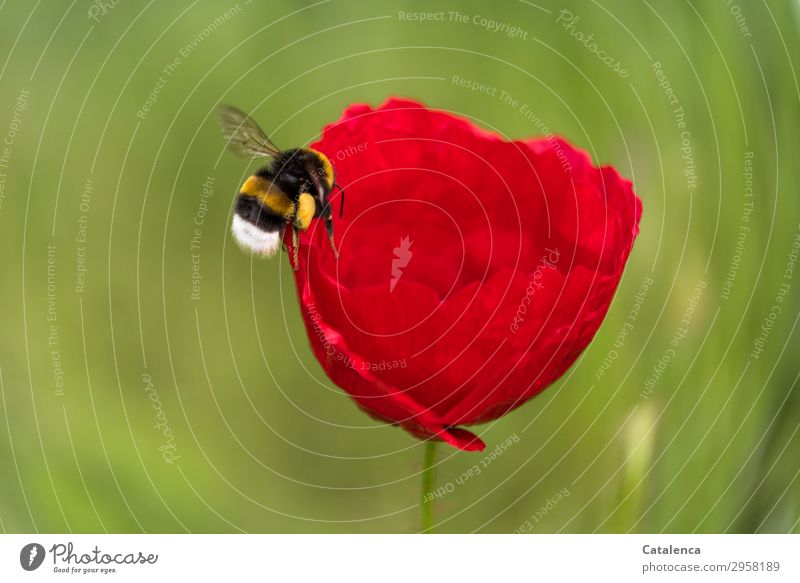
[[401, 558]]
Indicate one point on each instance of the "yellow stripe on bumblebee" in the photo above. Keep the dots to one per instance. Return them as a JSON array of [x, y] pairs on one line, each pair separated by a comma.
[[269, 195], [305, 211], [327, 167]]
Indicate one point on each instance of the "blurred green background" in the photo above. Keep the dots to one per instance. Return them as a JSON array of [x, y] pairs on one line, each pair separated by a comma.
[[103, 346]]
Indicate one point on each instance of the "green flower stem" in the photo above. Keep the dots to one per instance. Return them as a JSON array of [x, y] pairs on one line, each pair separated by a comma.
[[428, 483]]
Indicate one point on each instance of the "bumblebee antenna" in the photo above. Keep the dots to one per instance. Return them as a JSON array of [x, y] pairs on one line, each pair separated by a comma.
[[341, 201]]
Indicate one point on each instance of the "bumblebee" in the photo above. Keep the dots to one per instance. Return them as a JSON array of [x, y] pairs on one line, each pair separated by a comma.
[[293, 189]]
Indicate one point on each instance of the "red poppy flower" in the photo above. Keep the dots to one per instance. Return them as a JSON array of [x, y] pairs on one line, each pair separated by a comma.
[[472, 272]]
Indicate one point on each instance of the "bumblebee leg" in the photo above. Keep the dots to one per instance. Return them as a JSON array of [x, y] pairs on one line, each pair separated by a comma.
[[295, 247], [341, 199], [329, 227]]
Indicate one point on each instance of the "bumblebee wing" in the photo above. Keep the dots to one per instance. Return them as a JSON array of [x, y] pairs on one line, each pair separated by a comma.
[[243, 135]]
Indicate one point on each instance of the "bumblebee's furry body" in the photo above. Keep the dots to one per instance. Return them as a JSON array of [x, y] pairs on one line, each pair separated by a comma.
[[280, 193], [294, 188]]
